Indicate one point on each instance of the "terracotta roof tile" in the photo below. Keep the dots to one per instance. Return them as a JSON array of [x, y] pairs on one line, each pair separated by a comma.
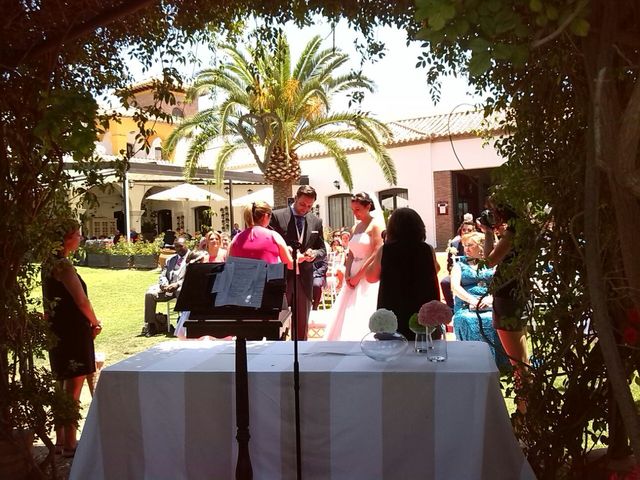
[[429, 128]]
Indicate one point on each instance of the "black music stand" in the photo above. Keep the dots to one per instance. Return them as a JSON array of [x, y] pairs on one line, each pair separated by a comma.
[[245, 323]]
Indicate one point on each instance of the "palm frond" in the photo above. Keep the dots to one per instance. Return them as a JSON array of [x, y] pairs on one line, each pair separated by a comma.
[[238, 64], [333, 64], [224, 155], [321, 60], [187, 127], [196, 149], [305, 62], [337, 153], [349, 82]]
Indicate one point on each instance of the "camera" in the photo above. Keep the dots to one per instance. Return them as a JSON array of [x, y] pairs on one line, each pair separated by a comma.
[[486, 218]]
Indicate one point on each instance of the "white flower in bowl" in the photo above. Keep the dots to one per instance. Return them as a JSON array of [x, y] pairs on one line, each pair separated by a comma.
[[383, 321]]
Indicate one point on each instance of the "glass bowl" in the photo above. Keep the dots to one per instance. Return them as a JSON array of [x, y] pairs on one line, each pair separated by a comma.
[[383, 347]]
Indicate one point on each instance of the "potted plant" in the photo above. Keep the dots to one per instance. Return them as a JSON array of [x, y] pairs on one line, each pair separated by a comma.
[[145, 254], [119, 254], [96, 253]]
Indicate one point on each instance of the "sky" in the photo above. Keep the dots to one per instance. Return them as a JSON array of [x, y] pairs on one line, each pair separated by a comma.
[[402, 89]]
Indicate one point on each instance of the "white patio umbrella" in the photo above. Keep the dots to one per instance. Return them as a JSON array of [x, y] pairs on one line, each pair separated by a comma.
[[264, 194], [186, 192]]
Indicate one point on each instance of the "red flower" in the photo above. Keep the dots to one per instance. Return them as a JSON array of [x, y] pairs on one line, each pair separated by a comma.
[[633, 316], [630, 336]]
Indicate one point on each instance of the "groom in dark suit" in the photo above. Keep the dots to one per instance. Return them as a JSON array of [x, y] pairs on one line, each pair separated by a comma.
[[296, 224]]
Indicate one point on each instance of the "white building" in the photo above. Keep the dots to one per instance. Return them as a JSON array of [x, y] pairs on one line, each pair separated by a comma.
[[442, 162]]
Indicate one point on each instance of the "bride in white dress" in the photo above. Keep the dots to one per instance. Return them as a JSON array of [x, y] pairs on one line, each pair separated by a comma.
[[358, 298]]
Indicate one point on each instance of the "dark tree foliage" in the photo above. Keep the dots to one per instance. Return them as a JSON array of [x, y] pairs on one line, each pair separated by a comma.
[[56, 59], [564, 75]]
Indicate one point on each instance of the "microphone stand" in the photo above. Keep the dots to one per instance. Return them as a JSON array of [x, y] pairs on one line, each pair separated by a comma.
[[295, 246]]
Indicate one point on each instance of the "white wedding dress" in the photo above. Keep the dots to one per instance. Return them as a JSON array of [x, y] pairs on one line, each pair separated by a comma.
[[354, 306]]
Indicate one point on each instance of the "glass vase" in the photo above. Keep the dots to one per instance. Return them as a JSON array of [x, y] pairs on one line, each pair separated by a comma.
[[420, 344], [437, 344], [383, 347]]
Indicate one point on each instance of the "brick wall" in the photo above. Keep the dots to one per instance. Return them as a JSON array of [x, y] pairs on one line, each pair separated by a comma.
[[443, 192]]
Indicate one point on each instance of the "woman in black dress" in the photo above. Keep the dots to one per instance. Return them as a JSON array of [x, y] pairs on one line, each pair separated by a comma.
[[406, 267], [74, 324], [508, 304]]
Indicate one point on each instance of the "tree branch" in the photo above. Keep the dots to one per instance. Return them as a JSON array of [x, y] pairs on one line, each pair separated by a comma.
[[104, 18], [561, 28], [629, 136]]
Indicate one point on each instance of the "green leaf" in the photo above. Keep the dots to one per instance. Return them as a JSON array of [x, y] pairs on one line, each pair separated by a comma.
[[519, 55], [502, 51], [552, 12], [479, 44], [494, 5], [579, 27], [448, 11], [422, 11], [535, 5], [437, 21], [505, 21], [479, 63], [424, 34], [462, 27], [541, 20]]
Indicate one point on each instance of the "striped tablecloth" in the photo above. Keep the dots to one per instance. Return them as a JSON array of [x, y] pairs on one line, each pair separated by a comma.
[[169, 413]]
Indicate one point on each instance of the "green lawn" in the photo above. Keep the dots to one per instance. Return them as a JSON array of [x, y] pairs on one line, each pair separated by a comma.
[[118, 300]]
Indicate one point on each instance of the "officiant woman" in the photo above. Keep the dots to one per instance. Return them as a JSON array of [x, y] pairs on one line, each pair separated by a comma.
[[406, 267], [257, 241]]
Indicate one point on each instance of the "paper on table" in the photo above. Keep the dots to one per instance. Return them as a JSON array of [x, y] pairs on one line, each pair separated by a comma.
[[241, 283]]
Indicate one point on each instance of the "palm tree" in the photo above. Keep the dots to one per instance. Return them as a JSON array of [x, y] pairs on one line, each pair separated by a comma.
[[270, 105]]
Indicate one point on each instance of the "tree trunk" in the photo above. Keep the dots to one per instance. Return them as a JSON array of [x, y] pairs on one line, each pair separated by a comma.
[[604, 122], [282, 191]]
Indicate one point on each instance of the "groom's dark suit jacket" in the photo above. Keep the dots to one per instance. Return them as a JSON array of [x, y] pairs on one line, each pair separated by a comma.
[[283, 222]]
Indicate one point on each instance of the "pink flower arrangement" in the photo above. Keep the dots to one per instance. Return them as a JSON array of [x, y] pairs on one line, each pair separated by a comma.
[[434, 313]]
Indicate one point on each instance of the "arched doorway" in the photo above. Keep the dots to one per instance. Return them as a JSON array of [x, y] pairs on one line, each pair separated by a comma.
[[165, 221], [340, 214], [394, 198], [202, 216], [120, 223]]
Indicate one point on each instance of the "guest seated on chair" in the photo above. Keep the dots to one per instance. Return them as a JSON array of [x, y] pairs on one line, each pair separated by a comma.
[[455, 249], [194, 256], [335, 264], [213, 244], [319, 280], [168, 286], [470, 283]]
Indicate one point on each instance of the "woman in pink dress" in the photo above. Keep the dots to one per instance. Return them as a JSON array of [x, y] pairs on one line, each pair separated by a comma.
[[358, 298], [257, 241]]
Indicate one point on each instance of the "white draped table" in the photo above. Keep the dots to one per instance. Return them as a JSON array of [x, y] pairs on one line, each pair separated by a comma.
[[169, 413]]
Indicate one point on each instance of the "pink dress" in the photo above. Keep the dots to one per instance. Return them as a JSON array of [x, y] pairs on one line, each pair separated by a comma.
[[256, 242]]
